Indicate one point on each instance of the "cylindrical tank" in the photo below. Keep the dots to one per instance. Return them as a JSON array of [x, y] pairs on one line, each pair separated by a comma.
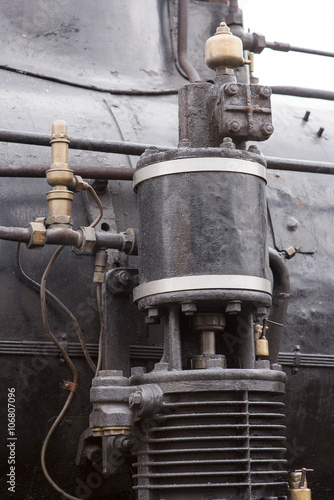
[[202, 227]]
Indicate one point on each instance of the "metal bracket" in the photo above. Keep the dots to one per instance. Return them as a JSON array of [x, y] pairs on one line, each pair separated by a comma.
[[69, 386]]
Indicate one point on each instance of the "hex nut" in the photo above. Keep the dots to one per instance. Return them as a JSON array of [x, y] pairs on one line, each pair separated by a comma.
[[88, 239], [265, 92], [233, 307], [99, 277], [267, 129], [38, 235], [135, 399], [231, 89], [290, 252], [78, 184], [233, 126]]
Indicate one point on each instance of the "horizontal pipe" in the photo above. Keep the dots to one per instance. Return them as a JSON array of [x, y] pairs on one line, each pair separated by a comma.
[[306, 166], [126, 174], [64, 236], [286, 47], [117, 147], [303, 92], [88, 172], [20, 234], [54, 236]]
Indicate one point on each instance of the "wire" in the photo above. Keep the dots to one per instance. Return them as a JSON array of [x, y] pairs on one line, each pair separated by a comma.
[[69, 363], [99, 203], [99, 305], [60, 304]]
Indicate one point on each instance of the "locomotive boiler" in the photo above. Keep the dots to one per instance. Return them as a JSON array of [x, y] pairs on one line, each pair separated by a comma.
[[166, 259]]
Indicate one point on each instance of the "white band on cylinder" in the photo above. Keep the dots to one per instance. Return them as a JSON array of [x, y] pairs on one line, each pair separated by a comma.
[[192, 165], [202, 282]]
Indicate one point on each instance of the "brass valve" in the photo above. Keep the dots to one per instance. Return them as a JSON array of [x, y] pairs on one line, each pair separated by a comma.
[[60, 177], [224, 50], [261, 342], [298, 486]]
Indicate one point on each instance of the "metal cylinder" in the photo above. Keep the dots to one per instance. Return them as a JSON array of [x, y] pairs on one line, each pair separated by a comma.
[[214, 434], [202, 227]]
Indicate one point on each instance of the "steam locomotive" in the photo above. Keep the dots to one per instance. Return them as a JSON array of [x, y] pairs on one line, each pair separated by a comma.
[[166, 257]]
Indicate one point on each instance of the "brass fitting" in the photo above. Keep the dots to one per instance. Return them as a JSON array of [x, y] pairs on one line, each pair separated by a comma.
[[101, 261], [38, 234], [60, 177], [261, 342], [224, 50], [88, 239], [298, 486]]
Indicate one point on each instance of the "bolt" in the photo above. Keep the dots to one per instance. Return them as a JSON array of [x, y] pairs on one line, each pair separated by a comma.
[[307, 116], [233, 307], [290, 252], [292, 224], [265, 92], [153, 312], [231, 89], [135, 399], [267, 129], [227, 143], [188, 309], [152, 316], [233, 126], [320, 132], [67, 385], [254, 149], [123, 278], [276, 366]]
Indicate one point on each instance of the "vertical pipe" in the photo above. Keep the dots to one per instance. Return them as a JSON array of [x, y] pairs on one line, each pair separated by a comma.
[[173, 338], [182, 43], [245, 334]]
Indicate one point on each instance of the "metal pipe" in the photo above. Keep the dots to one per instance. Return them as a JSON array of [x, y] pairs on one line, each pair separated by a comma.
[[182, 43], [118, 147], [64, 236], [126, 174], [21, 234], [286, 47], [87, 172], [302, 92], [306, 166], [281, 296]]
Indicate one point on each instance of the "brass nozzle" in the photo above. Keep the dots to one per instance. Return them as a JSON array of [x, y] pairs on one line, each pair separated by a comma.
[[60, 177]]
